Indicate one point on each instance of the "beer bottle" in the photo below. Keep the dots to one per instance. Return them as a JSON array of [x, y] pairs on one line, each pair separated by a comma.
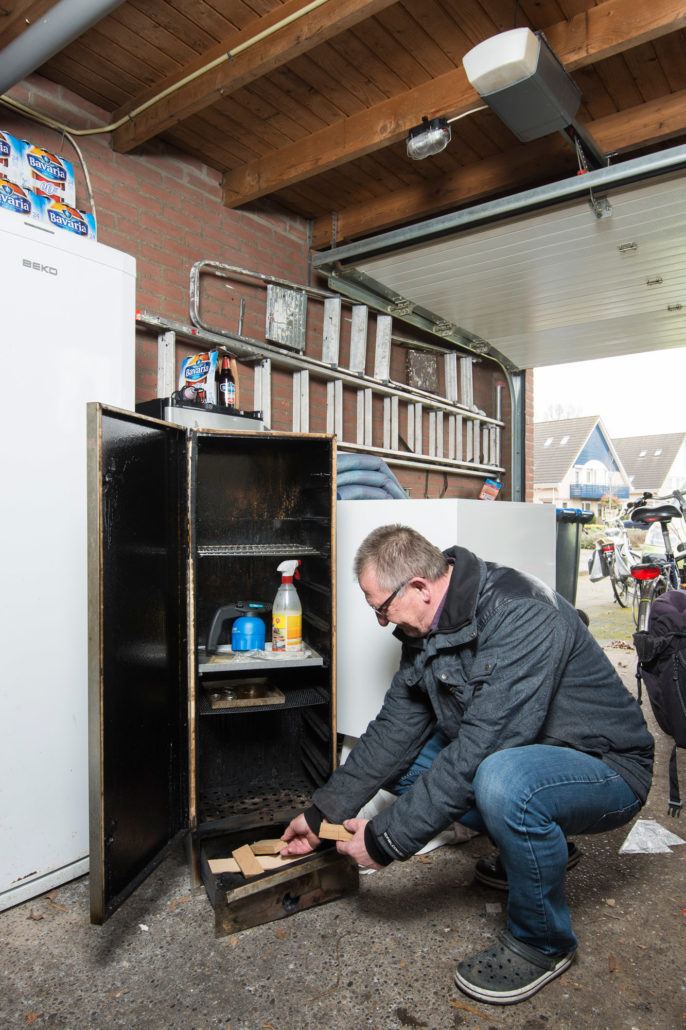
[[227, 385]]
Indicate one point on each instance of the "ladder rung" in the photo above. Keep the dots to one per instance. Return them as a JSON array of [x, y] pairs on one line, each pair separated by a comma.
[[382, 348], [358, 338], [262, 390], [450, 369], [332, 330]]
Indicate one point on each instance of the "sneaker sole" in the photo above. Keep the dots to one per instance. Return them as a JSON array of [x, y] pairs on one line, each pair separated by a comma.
[[512, 997], [502, 885]]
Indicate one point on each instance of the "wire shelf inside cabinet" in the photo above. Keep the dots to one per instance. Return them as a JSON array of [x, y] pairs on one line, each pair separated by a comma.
[[303, 697], [250, 550]]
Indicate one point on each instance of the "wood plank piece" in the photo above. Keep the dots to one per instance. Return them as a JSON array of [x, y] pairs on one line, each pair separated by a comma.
[[334, 831], [267, 847], [247, 862], [267, 863]]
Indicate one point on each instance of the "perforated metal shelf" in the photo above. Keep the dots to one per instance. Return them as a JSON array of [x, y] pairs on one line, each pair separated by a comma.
[[264, 803]]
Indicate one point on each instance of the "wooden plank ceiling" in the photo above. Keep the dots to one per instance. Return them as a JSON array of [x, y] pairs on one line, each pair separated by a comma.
[[315, 114]]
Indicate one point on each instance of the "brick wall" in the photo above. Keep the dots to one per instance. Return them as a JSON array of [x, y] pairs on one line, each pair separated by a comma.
[[164, 207]]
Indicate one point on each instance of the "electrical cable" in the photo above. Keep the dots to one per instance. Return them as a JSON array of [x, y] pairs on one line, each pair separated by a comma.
[[86, 176], [466, 113]]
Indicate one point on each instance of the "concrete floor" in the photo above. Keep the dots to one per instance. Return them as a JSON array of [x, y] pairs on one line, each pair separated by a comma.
[[382, 959]]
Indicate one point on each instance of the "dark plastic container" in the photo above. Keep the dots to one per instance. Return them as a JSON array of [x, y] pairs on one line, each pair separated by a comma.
[[567, 548]]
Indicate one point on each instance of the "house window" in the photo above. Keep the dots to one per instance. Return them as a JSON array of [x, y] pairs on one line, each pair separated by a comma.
[[658, 452], [564, 440], [577, 476], [642, 454], [548, 442]]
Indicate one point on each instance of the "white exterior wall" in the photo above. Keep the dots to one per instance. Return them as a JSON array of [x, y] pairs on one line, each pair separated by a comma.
[[676, 478]]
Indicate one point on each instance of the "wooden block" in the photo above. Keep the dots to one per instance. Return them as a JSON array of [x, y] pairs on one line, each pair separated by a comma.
[[249, 865], [268, 863], [267, 847], [334, 831]]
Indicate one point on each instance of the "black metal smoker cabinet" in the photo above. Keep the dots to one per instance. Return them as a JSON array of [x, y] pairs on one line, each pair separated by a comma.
[[181, 522]]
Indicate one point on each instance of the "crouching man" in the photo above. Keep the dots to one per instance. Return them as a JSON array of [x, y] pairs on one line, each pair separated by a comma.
[[505, 715]]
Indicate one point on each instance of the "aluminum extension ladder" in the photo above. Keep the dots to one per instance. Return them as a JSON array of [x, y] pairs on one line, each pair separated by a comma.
[[460, 437]]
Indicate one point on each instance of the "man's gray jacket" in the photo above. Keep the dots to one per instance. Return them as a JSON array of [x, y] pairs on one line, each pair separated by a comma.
[[509, 663]]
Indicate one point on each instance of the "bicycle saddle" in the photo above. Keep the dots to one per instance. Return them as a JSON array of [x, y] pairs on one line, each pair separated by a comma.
[[663, 513]]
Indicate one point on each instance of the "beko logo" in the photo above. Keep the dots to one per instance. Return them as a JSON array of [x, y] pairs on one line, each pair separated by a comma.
[[38, 267]]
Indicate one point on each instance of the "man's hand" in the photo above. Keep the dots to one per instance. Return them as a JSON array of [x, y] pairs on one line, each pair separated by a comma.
[[299, 837], [355, 848]]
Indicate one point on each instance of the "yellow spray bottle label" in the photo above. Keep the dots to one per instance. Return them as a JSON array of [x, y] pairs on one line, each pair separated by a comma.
[[287, 631]]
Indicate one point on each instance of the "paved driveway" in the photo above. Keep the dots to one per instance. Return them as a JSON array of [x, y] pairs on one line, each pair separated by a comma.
[[608, 622]]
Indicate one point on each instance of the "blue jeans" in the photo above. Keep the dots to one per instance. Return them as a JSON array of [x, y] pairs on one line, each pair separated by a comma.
[[528, 799]]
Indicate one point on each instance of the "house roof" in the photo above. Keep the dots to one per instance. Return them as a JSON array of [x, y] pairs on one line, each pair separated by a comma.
[[646, 467], [567, 436]]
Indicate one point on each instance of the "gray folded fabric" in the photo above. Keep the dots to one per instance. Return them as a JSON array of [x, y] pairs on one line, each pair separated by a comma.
[[365, 477], [354, 492], [370, 462]]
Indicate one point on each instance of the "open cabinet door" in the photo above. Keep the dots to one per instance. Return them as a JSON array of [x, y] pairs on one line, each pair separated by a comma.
[[138, 696]]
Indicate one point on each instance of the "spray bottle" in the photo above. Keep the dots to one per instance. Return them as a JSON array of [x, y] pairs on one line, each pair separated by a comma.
[[287, 611]]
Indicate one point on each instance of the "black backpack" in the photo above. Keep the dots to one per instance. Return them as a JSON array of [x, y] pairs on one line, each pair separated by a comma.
[[662, 667]]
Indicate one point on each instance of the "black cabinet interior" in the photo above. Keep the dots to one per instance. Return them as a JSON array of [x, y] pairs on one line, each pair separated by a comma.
[[259, 501]]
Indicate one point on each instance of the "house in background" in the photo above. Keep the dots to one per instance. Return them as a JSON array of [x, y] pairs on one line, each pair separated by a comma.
[[576, 464], [656, 463]]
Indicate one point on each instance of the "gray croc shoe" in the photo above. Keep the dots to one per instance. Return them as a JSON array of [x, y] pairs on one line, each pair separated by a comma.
[[509, 971]]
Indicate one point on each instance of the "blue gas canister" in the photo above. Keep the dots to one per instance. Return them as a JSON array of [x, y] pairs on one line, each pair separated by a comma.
[[247, 628], [248, 634]]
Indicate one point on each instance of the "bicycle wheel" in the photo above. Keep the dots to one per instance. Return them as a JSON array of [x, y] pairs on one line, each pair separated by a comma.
[[620, 588]]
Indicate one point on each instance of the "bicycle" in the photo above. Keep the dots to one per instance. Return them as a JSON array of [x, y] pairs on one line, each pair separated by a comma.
[[619, 558], [657, 573]]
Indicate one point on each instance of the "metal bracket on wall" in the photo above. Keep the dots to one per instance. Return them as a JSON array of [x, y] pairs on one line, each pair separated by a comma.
[[395, 403]]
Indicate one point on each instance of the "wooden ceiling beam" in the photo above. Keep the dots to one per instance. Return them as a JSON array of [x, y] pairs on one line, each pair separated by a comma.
[[600, 32], [612, 28], [515, 169], [263, 57], [642, 125]]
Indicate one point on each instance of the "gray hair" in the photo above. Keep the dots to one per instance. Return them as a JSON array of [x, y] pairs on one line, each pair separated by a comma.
[[397, 554]]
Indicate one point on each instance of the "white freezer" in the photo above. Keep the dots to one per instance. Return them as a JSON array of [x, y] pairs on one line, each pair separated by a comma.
[[68, 325], [367, 655]]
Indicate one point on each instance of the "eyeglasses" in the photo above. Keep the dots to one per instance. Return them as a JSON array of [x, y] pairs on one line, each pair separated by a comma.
[[381, 610]]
